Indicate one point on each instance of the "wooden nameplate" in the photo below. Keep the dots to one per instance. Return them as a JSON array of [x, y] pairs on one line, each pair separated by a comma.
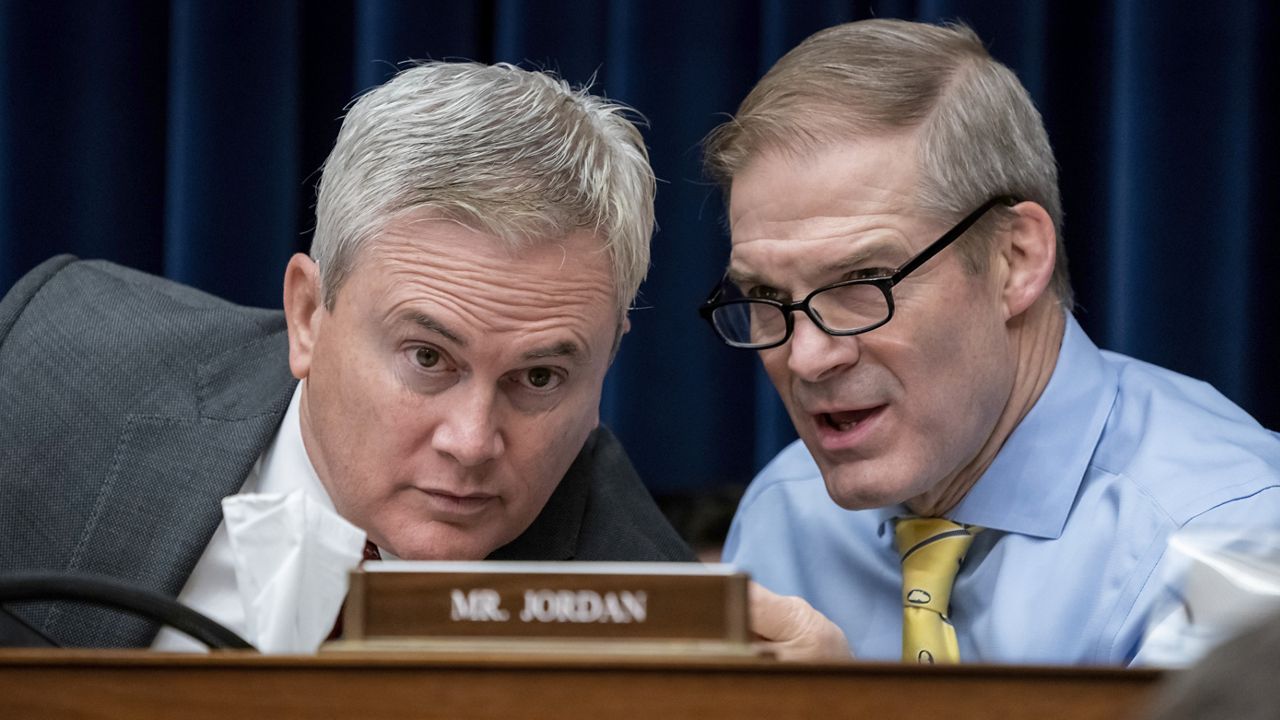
[[605, 608]]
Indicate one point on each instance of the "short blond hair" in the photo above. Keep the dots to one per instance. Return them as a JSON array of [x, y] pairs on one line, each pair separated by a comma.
[[980, 134]]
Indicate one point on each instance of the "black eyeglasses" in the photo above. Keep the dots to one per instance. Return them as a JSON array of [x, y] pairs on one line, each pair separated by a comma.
[[848, 307]]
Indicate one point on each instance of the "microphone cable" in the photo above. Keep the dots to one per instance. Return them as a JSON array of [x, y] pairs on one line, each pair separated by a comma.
[[114, 593]]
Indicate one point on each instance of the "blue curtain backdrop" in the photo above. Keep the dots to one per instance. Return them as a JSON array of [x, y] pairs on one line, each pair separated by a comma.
[[183, 138]]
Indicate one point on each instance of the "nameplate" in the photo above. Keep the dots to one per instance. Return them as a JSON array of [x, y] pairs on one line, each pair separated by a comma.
[[541, 601]]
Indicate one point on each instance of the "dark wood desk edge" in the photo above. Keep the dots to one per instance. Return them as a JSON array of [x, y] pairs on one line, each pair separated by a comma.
[[29, 658], [141, 685]]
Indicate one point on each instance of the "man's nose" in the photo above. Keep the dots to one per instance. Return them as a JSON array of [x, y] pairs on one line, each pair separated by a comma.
[[814, 355], [469, 431]]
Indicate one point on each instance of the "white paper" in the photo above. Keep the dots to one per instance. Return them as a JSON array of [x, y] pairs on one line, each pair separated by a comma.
[[1226, 580], [292, 558]]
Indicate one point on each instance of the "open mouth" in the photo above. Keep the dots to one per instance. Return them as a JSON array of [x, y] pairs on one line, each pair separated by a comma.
[[848, 419]]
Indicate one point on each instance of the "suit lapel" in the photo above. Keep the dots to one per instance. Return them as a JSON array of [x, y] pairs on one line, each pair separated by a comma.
[[160, 502], [555, 532]]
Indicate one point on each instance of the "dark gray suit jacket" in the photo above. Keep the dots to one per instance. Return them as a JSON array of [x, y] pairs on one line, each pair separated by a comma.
[[131, 405]]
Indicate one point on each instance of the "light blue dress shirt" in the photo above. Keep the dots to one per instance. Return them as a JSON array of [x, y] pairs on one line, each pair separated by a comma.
[[1115, 456]]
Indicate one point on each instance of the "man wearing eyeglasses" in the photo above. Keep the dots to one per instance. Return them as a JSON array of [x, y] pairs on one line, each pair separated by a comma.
[[1003, 491]]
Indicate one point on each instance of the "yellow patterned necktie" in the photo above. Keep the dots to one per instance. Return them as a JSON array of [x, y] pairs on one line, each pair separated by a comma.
[[931, 550]]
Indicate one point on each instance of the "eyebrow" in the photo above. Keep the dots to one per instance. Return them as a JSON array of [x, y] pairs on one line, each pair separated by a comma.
[[429, 323], [858, 257], [848, 262], [740, 278], [562, 349]]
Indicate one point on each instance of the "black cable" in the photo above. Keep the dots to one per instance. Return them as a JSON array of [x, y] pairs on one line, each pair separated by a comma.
[[111, 592]]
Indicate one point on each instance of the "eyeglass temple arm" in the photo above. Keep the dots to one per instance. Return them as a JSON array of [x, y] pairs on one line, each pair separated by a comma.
[[705, 308], [955, 232]]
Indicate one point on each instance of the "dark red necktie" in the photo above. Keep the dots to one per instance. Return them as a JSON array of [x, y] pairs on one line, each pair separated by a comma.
[[370, 553]]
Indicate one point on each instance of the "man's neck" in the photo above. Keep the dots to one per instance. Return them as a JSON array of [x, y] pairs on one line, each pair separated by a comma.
[[1035, 338]]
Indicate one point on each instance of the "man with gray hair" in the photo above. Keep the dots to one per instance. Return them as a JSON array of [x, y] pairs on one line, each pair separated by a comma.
[[974, 479], [435, 376]]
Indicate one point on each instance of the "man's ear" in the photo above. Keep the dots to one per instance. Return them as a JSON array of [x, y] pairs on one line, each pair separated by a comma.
[[1029, 250], [303, 311]]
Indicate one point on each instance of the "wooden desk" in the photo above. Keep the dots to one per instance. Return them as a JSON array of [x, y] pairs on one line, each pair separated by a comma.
[[141, 685]]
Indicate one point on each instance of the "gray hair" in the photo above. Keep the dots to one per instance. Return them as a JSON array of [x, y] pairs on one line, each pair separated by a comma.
[[509, 152], [980, 134]]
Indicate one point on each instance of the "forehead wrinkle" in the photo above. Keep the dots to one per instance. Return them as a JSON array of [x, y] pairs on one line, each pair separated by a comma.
[[819, 228], [485, 311], [886, 201], [475, 283], [464, 294], [504, 272], [488, 319], [796, 254], [494, 262], [498, 290], [534, 301]]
